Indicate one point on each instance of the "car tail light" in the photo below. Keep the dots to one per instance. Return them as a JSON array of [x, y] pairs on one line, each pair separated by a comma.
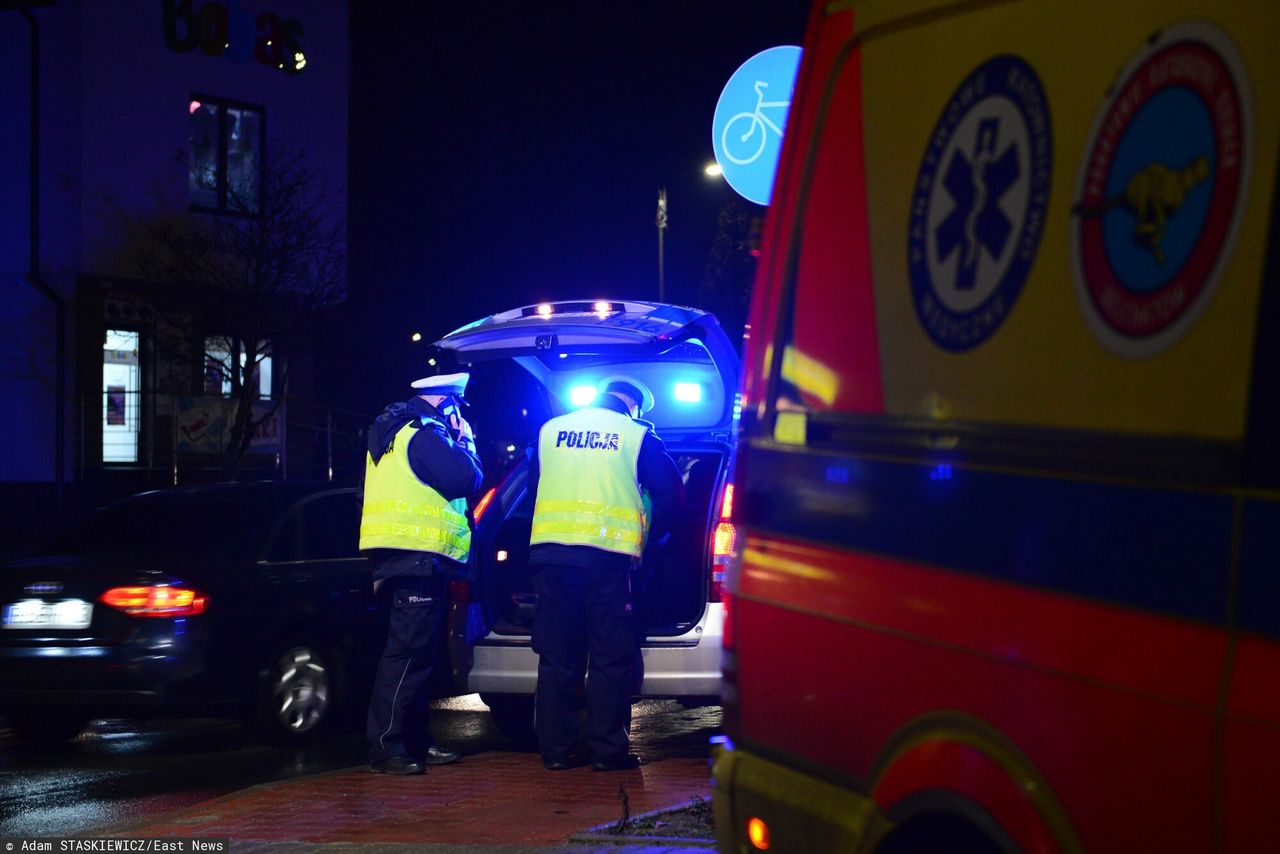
[[723, 542], [726, 502], [460, 591], [724, 551], [155, 600], [484, 503]]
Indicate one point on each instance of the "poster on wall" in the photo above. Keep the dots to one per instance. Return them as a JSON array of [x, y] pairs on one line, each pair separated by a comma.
[[269, 433], [115, 405], [204, 426], [201, 423]]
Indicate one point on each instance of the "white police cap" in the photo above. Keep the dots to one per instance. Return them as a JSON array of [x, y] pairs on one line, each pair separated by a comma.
[[442, 384], [645, 399]]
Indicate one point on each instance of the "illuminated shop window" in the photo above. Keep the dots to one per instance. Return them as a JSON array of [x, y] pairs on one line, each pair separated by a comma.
[[218, 359], [227, 142], [121, 390]]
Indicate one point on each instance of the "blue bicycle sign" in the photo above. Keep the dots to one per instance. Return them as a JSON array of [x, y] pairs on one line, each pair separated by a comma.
[[750, 145], [750, 119]]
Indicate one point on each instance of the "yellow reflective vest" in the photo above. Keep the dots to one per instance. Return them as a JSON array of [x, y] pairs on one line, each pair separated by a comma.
[[588, 493], [402, 512]]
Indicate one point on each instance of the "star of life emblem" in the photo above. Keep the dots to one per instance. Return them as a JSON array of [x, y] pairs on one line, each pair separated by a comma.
[[979, 202]]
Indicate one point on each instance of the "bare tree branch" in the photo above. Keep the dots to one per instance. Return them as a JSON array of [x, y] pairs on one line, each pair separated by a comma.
[[258, 278]]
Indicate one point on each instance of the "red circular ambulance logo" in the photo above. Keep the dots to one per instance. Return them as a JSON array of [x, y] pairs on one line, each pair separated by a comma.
[[1161, 190]]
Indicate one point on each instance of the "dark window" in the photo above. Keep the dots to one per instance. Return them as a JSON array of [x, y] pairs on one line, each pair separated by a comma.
[[227, 148], [218, 361], [285, 541], [331, 526]]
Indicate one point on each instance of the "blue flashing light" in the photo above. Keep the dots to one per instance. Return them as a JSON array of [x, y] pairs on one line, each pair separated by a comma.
[[582, 395], [688, 392]]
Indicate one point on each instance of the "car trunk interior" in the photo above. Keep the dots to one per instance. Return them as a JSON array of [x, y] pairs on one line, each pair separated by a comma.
[[671, 587]]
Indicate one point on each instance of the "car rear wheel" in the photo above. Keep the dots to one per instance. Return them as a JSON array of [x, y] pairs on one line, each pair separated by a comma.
[[48, 727], [513, 715], [298, 698]]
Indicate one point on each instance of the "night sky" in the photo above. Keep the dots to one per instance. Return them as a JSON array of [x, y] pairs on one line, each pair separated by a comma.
[[504, 153]]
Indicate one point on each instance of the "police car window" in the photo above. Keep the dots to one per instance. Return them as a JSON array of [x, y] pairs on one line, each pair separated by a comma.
[[688, 390]]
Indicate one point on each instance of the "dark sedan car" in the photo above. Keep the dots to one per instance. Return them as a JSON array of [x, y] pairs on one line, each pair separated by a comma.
[[232, 599]]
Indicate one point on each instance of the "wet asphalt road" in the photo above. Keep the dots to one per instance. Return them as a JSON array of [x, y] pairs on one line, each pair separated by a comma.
[[121, 772]]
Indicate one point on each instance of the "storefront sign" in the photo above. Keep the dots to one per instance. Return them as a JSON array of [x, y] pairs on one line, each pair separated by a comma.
[[204, 426], [226, 29]]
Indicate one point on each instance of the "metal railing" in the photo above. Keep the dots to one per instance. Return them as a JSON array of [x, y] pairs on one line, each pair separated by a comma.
[[172, 439]]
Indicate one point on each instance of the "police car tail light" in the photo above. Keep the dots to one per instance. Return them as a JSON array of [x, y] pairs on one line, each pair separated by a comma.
[[726, 502], [723, 542], [156, 600], [484, 503]]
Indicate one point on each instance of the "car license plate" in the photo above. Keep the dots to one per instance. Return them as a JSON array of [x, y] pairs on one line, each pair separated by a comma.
[[36, 614]]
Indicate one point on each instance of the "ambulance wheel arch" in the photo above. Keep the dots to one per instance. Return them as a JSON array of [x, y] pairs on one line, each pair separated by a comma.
[[947, 768]]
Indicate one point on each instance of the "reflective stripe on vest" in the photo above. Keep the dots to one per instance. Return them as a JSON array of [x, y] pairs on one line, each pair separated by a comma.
[[401, 512], [587, 489]]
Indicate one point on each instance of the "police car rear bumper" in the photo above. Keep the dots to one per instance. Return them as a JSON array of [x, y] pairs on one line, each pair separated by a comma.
[[683, 666]]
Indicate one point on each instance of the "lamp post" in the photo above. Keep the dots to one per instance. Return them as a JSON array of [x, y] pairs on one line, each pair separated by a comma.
[[711, 170], [661, 222]]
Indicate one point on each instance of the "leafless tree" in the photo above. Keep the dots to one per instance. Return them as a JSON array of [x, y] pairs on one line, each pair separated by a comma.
[[261, 275], [726, 283]]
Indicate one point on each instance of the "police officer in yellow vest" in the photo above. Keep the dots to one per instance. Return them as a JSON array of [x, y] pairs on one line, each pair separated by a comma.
[[420, 468], [590, 475]]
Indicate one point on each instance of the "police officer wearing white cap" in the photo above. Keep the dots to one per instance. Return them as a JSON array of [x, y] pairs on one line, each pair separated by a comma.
[[420, 469]]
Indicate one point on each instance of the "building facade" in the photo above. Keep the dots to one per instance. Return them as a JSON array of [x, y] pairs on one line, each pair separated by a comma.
[[124, 113]]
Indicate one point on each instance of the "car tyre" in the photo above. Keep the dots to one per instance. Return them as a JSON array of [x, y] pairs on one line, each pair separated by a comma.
[[512, 715], [298, 696], [48, 727]]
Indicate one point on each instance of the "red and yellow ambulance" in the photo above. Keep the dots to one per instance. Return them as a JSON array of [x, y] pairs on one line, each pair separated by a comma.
[[1007, 496]]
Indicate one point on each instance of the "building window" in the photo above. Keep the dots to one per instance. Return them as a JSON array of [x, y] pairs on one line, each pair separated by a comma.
[[227, 143], [121, 389], [218, 361]]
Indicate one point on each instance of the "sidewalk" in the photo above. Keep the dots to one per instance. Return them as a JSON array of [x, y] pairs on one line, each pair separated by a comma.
[[496, 801]]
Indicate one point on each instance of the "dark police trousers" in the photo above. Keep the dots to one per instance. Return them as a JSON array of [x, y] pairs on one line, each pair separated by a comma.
[[397, 723], [583, 610]]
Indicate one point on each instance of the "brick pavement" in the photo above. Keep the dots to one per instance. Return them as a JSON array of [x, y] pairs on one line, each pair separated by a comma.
[[494, 801]]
